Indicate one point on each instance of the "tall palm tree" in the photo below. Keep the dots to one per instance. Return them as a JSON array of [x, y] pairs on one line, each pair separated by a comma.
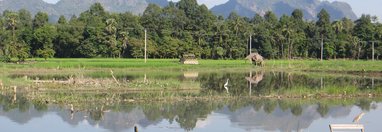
[[110, 26], [356, 43], [123, 37], [11, 22], [288, 33], [338, 26], [111, 33]]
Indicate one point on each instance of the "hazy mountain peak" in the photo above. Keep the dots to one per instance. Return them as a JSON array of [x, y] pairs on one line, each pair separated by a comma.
[[71, 7], [246, 8], [310, 8]]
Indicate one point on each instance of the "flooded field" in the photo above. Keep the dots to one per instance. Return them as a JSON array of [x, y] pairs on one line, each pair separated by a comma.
[[118, 101]]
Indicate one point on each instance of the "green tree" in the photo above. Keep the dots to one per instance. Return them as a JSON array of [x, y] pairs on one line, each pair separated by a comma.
[[364, 30], [40, 20], [62, 20], [13, 47], [93, 43], [43, 41], [25, 18], [325, 30]]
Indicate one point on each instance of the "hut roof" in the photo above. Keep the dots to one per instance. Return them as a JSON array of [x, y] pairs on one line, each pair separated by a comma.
[[251, 55]]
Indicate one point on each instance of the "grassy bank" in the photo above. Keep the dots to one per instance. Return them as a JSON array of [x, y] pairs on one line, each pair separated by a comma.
[[168, 74], [158, 64]]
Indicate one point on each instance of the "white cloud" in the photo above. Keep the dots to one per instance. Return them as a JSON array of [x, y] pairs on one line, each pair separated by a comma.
[[51, 1], [209, 3]]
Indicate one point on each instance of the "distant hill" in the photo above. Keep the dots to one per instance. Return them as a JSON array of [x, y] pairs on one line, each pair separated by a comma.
[[246, 8], [75, 7], [249, 8]]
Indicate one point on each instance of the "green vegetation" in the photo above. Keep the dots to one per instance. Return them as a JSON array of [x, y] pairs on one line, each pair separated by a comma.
[[279, 78], [67, 65], [186, 27]]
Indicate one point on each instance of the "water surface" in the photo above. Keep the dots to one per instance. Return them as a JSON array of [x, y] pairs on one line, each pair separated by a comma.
[[239, 107]]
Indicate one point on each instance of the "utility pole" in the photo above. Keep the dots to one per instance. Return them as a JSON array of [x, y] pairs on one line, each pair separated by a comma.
[[250, 84], [250, 44], [372, 45], [145, 45], [322, 46]]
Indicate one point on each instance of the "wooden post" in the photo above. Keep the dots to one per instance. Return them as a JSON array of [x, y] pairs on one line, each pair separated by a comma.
[[145, 45], [135, 129]]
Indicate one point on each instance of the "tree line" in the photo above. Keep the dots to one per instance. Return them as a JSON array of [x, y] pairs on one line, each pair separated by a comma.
[[186, 27]]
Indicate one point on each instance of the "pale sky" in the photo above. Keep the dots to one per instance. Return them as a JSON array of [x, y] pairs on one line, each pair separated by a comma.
[[372, 7]]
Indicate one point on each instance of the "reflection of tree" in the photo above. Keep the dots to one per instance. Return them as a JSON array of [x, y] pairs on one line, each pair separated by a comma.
[[237, 104], [296, 110], [364, 104], [23, 104], [279, 82], [8, 103], [40, 105], [269, 106], [152, 112], [283, 105], [185, 113], [323, 109], [96, 114], [13, 102], [257, 104]]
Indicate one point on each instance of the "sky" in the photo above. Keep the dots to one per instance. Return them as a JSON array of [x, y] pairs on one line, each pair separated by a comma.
[[372, 7]]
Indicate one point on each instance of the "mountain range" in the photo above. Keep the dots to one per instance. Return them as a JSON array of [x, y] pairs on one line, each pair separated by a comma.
[[246, 8], [311, 8]]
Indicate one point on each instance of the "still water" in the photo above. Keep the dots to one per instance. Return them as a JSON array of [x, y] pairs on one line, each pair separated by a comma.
[[248, 117], [242, 112]]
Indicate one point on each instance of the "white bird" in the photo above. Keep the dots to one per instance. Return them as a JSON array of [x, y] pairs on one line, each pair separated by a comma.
[[71, 109], [226, 85], [358, 117]]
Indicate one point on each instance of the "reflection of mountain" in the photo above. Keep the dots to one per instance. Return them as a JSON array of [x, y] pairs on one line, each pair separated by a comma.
[[246, 117], [21, 117], [264, 114], [250, 119]]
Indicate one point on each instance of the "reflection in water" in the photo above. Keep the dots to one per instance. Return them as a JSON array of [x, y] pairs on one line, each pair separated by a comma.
[[226, 86], [246, 114], [276, 83], [254, 80], [257, 83]]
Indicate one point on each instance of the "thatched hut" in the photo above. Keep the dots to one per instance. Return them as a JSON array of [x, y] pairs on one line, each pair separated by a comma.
[[256, 59], [189, 59], [258, 77]]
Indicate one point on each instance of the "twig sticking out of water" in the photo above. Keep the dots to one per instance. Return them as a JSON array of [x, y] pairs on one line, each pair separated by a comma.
[[1, 85], [14, 89], [112, 74]]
